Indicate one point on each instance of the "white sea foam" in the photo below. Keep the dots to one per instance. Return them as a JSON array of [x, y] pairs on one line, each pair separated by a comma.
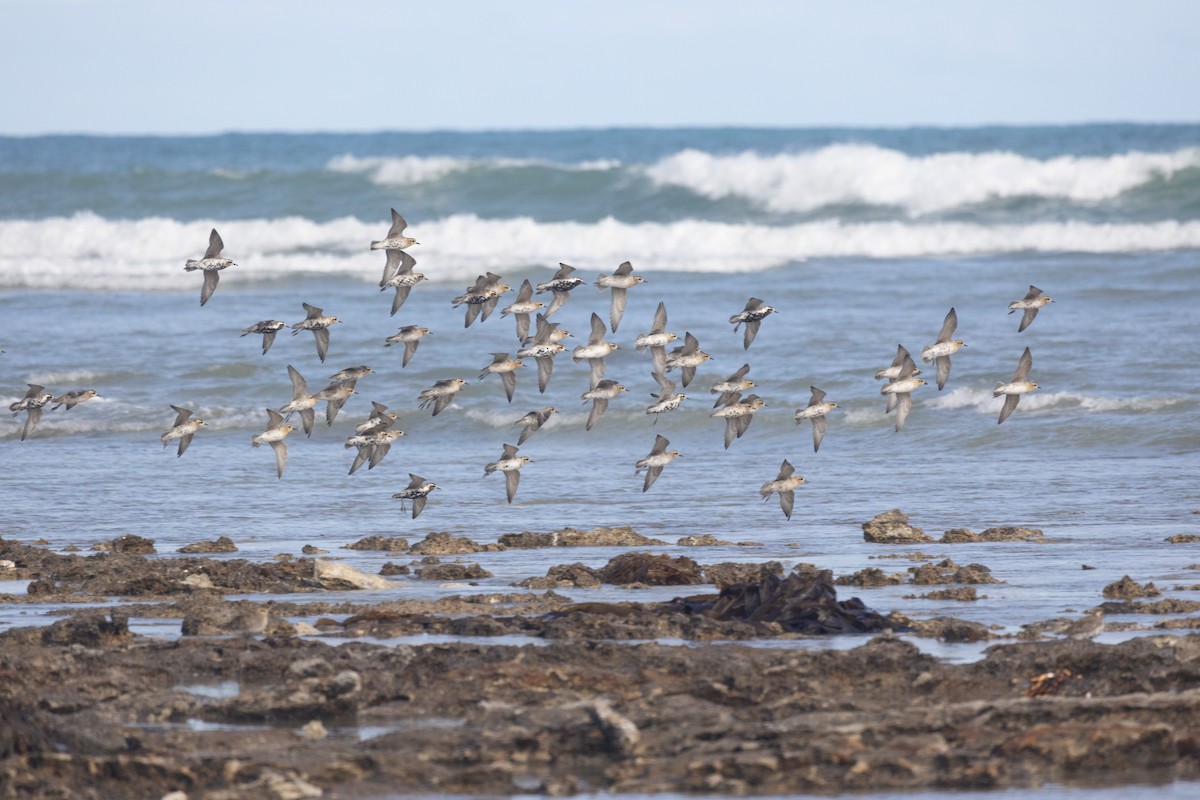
[[409, 170], [872, 175], [982, 401], [87, 251]]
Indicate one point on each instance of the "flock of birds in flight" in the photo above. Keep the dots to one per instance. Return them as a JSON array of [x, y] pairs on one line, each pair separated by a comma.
[[373, 437]]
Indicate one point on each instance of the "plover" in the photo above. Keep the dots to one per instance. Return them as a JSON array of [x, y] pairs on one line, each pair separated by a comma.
[[351, 373], [667, 398], [410, 337], [1033, 301], [1086, 627], [784, 485], [398, 274], [533, 421], [510, 464], [945, 347], [318, 323], [656, 340], [816, 410], [335, 396], [561, 285], [600, 394], [595, 350], [735, 384], [212, 263], [372, 447], [268, 328], [380, 420], [1019, 385], [687, 357], [752, 315], [32, 403], [276, 431], [620, 281], [653, 463], [482, 297], [183, 429], [302, 402], [738, 413], [73, 398], [522, 308], [544, 349], [891, 372], [440, 394], [899, 391], [506, 368], [395, 239], [418, 490]]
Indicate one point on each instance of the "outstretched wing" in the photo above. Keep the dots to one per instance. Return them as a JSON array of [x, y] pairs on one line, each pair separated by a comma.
[[215, 245], [211, 278], [948, 326]]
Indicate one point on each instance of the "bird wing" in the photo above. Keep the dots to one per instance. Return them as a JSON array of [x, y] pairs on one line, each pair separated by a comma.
[[215, 245], [184, 441], [752, 304], [398, 225], [473, 310], [948, 326], [360, 458], [510, 451], [401, 292], [1010, 405], [564, 271], [660, 445], [307, 417], [274, 418], [32, 417], [617, 308], [299, 385], [731, 430], [658, 357], [817, 396], [268, 340], [211, 278], [510, 383], [390, 266], [652, 474], [785, 470], [1023, 366], [903, 406], [322, 337], [660, 319], [666, 386], [280, 449], [818, 431], [752, 327], [409, 349], [598, 330], [625, 269], [786, 500], [418, 505], [1027, 318], [1033, 293], [512, 479], [312, 311], [545, 367], [943, 370], [377, 454], [599, 406], [181, 415]]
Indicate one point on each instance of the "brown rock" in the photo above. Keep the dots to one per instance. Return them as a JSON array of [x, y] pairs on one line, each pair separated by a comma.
[[1184, 538], [443, 544], [132, 544], [394, 569], [453, 572], [947, 571], [1127, 589], [1012, 534], [962, 593], [729, 573], [621, 536], [389, 544], [221, 545], [891, 527], [959, 536], [564, 576], [871, 576], [652, 570], [803, 602]]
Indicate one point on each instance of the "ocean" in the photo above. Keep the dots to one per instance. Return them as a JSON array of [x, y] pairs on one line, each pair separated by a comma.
[[861, 238]]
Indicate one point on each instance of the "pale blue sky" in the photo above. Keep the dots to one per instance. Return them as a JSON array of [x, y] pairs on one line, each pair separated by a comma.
[[161, 66]]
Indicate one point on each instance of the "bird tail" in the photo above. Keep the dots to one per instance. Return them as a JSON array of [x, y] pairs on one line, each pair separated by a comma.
[[192, 265]]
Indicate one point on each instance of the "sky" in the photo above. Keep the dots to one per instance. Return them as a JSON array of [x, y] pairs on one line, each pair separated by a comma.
[[167, 67]]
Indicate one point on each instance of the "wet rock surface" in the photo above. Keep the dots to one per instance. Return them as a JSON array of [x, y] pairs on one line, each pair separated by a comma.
[[243, 705], [891, 527], [222, 544], [1127, 588]]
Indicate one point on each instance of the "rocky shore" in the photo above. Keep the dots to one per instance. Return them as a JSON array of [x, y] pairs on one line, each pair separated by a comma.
[[286, 699]]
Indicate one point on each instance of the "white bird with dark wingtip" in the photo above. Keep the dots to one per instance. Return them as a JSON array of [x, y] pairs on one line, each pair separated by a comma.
[[533, 421], [653, 463], [417, 491], [183, 429], [899, 391], [276, 431], [667, 399], [544, 349], [318, 323], [395, 239], [687, 357], [522, 308], [657, 340], [816, 410], [398, 274], [32, 403], [784, 485], [600, 394], [410, 337], [212, 263], [440, 394], [1033, 302], [510, 464], [561, 285], [943, 348], [732, 386], [1019, 385], [268, 328], [620, 281], [752, 315], [302, 402], [506, 368], [738, 413], [595, 350], [73, 398], [892, 372]]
